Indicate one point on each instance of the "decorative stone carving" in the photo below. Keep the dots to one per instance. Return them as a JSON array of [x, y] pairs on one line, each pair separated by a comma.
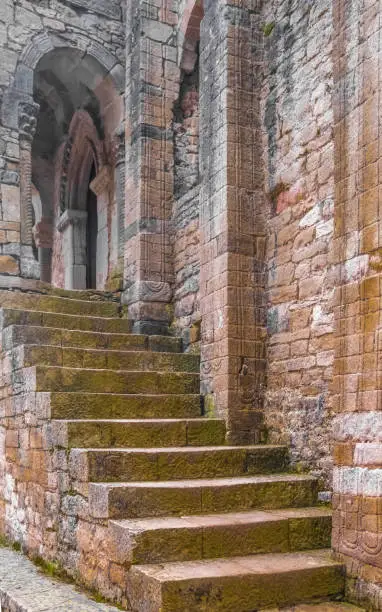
[[28, 113]]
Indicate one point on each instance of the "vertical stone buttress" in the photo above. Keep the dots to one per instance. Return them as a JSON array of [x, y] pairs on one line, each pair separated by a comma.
[[152, 87], [357, 248], [232, 216]]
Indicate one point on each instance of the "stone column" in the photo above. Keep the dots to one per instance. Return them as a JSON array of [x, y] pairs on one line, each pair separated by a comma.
[[72, 225], [28, 113], [152, 83], [43, 236], [232, 217]]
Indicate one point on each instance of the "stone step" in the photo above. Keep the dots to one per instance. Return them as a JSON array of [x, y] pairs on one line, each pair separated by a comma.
[[184, 497], [64, 305], [152, 464], [27, 355], [45, 378], [21, 334], [13, 316], [240, 584], [116, 406], [189, 538], [322, 606], [147, 433]]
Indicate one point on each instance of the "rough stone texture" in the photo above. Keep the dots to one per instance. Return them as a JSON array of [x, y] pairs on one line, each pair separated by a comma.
[[299, 166], [23, 587], [217, 164], [357, 254]]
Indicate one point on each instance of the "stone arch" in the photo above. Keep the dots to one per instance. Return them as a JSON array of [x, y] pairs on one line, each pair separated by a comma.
[[21, 90], [189, 33]]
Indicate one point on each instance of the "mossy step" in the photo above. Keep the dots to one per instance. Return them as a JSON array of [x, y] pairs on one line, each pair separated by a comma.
[[46, 378], [26, 334], [169, 539], [322, 606], [116, 406], [27, 355], [13, 316], [144, 433], [240, 584], [152, 464], [63, 305], [185, 497]]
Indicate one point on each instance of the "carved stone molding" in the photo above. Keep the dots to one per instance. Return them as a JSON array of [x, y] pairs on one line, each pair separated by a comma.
[[71, 217], [28, 113]]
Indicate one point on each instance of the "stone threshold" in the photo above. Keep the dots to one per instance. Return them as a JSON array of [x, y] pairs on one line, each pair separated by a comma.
[[23, 588]]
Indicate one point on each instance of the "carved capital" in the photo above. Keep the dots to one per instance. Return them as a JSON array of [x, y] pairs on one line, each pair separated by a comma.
[[28, 113]]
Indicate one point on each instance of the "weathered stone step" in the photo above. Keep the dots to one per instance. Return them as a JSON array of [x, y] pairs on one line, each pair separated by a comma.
[[13, 316], [116, 406], [240, 584], [142, 433], [64, 305], [152, 464], [22, 334], [28, 355], [45, 378], [169, 539], [177, 498], [322, 606]]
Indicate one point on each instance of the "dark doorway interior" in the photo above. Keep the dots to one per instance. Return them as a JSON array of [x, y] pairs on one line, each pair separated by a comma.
[[91, 236]]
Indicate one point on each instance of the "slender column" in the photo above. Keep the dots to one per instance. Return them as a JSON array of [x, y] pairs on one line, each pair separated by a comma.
[[232, 217], [28, 113], [72, 224]]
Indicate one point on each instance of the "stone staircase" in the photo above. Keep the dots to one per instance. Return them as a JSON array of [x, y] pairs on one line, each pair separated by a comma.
[[196, 525]]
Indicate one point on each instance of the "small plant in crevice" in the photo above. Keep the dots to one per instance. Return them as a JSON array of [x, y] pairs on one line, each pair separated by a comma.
[[268, 28]]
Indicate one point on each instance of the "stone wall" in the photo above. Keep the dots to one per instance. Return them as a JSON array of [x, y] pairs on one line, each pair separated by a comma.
[[299, 165], [95, 27], [357, 249], [185, 222]]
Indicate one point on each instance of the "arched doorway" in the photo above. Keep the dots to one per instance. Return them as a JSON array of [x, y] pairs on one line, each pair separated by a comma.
[[80, 111]]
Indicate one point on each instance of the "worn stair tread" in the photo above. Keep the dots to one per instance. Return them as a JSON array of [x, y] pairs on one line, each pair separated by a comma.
[[16, 334], [60, 304], [208, 482], [323, 606], [139, 420], [274, 563], [220, 519], [73, 404], [29, 354], [182, 449]]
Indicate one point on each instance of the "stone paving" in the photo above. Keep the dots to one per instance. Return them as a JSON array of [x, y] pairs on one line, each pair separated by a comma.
[[24, 589]]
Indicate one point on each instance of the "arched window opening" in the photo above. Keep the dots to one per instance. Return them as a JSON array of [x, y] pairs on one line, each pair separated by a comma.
[[186, 110]]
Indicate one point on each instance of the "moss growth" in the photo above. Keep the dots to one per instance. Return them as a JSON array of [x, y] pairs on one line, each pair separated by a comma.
[[209, 406], [268, 28], [51, 568], [17, 546]]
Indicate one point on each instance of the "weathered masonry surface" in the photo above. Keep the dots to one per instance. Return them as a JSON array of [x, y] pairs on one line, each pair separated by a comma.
[[190, 210]]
